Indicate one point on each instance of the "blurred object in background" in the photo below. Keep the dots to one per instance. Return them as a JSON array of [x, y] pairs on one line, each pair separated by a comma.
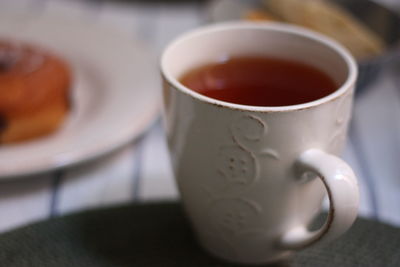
[[34, 91], [369, 30]]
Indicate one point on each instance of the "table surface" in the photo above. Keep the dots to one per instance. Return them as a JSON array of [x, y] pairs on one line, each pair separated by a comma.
[[140, 171]]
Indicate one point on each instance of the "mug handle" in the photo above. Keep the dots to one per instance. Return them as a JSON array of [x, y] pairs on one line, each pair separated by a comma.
[[341, 186]]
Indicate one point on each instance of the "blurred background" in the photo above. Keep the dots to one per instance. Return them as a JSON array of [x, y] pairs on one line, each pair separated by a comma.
[[139, 170]]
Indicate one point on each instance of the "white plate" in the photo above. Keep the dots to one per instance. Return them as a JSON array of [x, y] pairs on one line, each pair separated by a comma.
[[114, 96]]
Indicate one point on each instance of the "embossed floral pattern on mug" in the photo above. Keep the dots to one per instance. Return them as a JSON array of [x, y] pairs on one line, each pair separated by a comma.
[[236, 165], [234, 215]]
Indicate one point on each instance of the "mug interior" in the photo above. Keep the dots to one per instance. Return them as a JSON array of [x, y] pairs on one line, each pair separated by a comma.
[[229, 40]]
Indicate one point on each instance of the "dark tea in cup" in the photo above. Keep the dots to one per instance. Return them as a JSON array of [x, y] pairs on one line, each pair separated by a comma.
[[260, 81]]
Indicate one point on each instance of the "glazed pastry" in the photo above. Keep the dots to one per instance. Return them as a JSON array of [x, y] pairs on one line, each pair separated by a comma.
[[34, 92]]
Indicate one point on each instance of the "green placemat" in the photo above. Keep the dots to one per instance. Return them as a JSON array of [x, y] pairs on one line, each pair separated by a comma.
[[158, 235]]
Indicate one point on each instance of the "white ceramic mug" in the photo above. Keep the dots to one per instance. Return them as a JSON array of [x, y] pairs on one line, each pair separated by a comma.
[[253, 178]]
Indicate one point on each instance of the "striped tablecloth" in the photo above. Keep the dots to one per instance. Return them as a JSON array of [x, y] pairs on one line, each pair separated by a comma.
[[140, 171]]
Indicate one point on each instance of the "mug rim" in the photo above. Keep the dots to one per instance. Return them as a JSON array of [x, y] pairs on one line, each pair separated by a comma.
[[287, 28]]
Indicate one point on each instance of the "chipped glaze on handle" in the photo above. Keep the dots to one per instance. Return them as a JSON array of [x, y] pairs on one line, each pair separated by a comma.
[[342, 189]]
